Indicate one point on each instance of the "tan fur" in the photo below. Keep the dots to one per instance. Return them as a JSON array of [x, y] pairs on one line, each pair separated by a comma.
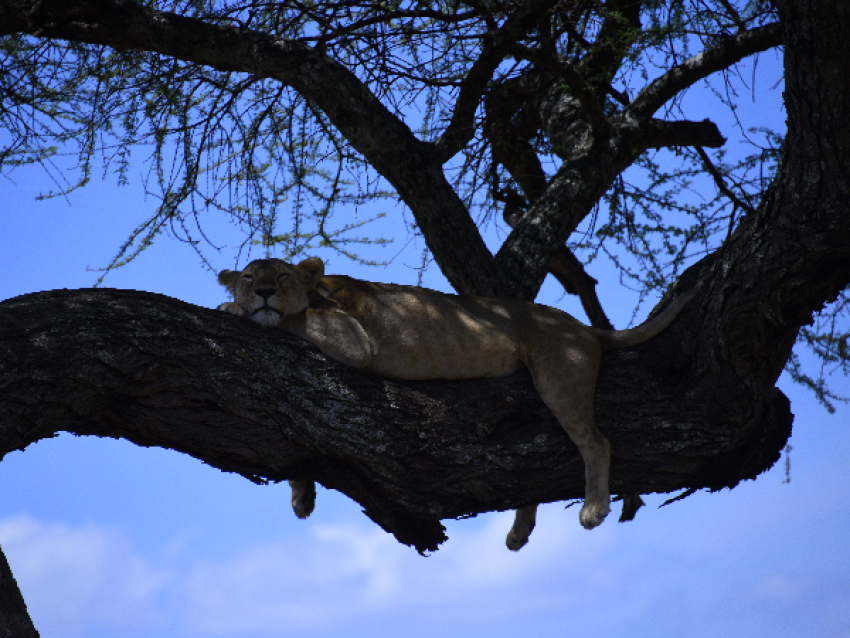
[[405, 332]]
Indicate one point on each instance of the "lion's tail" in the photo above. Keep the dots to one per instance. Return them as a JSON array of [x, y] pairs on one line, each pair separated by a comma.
[[615, 339]]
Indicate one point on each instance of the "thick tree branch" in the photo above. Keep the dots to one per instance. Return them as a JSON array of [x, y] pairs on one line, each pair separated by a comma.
[[571, 195], [619, 29], [662, 134], [711, 60], [258, 402], [509, 136], [582, 180], [569, 272], [794, 246], [461, 126], [576, 188], [576, 83]]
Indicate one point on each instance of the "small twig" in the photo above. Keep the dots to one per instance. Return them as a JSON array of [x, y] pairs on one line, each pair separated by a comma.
[[680, 497], [721, 184]]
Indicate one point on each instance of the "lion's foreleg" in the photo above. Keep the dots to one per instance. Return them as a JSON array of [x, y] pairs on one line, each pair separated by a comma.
[[233, 308], [337, 334]]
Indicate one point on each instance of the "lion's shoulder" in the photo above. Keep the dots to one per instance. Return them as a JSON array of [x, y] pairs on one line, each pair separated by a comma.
[[345, 293]]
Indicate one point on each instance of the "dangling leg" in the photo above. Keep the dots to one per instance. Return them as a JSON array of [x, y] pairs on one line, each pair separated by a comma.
[[597, 462], [569, 394], [303, 497], [523, 526], [632, 502]]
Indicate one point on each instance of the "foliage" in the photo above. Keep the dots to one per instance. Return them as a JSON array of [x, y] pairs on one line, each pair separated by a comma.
[[270, 161]]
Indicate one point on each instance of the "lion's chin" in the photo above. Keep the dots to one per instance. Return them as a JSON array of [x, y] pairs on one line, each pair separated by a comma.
[[266, 317]]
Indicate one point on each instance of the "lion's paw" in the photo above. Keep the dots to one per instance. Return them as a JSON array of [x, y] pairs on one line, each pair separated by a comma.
[[593, 513], [233, 308], [303, 497], [517, 540], [523, 525]]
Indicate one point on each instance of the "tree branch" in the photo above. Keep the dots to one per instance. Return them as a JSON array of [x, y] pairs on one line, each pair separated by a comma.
[[460, 129], [619, 29], [663, 134], [721, 183], [578, 88], [577, 187], [508, 128], [711, 60], [569, 272], [263, 404]]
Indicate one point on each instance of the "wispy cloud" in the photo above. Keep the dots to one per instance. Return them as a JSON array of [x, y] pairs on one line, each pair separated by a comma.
[[73, 577], [664, 575], [347, 571]]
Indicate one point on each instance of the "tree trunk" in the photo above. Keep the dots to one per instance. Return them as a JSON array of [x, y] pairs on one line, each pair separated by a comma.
[[14, 619]]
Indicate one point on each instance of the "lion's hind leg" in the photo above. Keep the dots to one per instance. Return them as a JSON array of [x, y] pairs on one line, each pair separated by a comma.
[[567, 390], [597, 500], [522, 528]]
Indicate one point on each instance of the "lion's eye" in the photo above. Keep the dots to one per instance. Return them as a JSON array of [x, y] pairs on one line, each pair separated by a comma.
[[283, 277], [248, 278]]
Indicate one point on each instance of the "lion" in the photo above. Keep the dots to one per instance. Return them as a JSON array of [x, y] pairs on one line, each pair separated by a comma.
[[413, 333]]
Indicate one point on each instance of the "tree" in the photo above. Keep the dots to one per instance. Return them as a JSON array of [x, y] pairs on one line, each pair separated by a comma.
[[533, 109]]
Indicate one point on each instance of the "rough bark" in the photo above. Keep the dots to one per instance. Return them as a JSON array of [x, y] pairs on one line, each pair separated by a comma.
[[259, 402]]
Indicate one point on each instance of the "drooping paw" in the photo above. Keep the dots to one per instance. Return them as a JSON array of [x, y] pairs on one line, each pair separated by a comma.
[[516, 540], [632, 502], [593, 513], [303, 497], [524, 522]]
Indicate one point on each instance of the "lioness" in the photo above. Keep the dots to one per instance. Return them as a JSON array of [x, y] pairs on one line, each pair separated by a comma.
[[405, 332]]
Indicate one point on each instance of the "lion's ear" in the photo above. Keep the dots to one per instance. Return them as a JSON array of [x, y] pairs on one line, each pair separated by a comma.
[[228, 279], [314, 269]]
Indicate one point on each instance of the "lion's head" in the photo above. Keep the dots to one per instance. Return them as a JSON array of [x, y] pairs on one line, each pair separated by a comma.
[[269, 289]]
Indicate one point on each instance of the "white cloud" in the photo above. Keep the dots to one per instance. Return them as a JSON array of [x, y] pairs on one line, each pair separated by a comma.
[[347, 572], [371, 555], [89, 580], [329, 579], [73, 577], [343, 571]]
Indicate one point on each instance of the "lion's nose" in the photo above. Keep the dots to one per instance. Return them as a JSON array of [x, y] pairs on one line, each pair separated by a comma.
[[265, 293]]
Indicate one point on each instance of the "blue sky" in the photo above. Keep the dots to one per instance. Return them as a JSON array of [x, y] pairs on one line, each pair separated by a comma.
[[108, 539]]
